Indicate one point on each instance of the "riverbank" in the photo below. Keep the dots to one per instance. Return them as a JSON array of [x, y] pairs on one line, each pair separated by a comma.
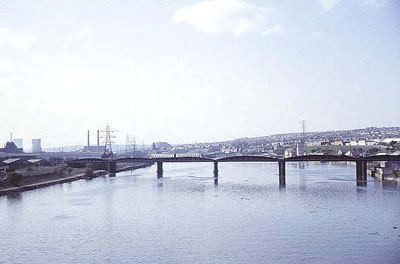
[[47, 183], [49, 180], [127, 167]]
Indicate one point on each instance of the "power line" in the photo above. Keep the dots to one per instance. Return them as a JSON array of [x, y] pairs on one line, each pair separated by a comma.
[[303, 128]]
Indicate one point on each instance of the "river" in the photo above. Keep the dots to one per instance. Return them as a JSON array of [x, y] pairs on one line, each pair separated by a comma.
[[187, 217]]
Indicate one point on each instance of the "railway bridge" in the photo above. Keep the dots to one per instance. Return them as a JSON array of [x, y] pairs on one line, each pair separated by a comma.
[[361, 162]]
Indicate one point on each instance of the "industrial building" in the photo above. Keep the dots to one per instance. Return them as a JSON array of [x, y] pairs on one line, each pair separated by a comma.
[[94, 149], [10, 147]]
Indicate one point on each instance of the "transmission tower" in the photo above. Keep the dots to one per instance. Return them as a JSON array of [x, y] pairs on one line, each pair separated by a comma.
[[301, 142], [130, 144], [107, 135], [303, 128]]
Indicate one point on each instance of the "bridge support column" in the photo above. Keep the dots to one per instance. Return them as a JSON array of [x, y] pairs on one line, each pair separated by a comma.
[[112, 168], [282, 173], [364, 171], [215, 169], [361, 173], [159, 169]]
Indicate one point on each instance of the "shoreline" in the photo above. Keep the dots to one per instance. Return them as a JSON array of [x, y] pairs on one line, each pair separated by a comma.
[[39, 185], [76, 177], [134, 167]]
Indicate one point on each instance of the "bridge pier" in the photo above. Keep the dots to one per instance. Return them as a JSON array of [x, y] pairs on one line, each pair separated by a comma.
[[215, 169], [282, 173], [112, 167], [159, 169], [364, 171], [361, 173]]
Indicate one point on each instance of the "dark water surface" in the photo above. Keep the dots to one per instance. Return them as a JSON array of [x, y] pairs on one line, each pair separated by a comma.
[[186, 217]]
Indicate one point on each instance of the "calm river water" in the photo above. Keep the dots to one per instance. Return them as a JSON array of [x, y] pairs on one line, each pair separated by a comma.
[[186, 217]]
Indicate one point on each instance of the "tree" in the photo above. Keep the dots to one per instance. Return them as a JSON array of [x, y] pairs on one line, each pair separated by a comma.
[[89, 172], [14, 178], [59, 169]]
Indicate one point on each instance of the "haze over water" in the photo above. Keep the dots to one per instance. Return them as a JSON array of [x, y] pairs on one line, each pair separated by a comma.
[[321, 216]]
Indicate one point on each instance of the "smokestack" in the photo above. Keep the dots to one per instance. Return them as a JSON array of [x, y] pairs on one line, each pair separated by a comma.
[[88, 138], [98, 139]]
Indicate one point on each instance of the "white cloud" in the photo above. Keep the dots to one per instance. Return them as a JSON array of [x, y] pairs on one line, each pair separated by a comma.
[[15, 40], [237, 17], [317, 34], [80, 37], [377, 3], [276, 29], [328, 4]]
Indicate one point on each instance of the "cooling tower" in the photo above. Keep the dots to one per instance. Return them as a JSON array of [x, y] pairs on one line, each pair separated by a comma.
[[36, 145]]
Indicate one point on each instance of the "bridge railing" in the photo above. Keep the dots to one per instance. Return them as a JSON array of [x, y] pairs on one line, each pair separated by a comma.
[[244, 158]]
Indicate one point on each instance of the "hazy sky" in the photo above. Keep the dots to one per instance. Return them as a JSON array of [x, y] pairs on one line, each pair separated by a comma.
[[194, 71]]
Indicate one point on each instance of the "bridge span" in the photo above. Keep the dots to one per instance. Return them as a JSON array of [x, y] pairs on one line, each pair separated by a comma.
[[361, 162]]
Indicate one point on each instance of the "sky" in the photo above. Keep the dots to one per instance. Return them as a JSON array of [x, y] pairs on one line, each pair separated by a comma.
[[196, 71]]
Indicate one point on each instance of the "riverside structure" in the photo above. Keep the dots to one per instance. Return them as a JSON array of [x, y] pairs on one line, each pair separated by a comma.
[[361, 163]]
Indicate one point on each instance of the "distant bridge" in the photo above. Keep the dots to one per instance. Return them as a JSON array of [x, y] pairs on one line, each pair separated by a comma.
[[361, 162]]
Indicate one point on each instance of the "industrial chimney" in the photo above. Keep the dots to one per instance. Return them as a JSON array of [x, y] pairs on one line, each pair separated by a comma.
[[88, 138], [98, 139]]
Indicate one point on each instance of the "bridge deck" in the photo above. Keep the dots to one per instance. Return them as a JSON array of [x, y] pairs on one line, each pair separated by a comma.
[[326, 158], [247, 159]]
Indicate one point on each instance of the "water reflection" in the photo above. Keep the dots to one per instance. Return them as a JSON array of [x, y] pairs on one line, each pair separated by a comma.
[[160, 183], [387, 185], [216, 182], [361, 190], [14, 198], [361, 184], [301, 174], [193, 216]]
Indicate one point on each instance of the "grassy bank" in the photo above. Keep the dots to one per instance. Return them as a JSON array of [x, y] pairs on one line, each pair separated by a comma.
[[40, 181]]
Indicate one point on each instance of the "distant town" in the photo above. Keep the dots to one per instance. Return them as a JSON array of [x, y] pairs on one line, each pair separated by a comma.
[[356, 142], [43, 165]]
